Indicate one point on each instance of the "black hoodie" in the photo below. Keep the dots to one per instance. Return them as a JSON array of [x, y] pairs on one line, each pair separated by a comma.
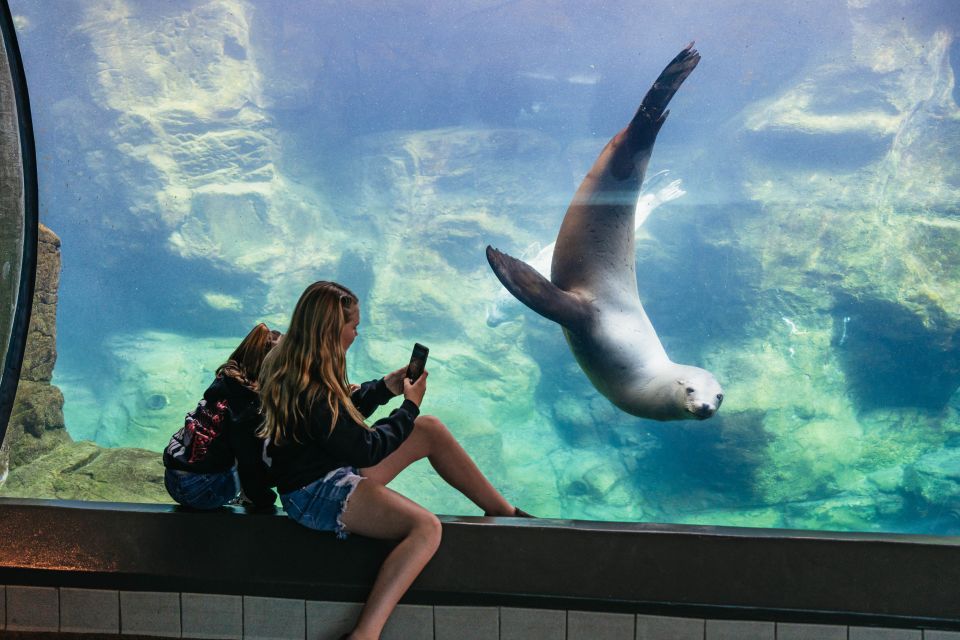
[[221, 432], [297, 464]]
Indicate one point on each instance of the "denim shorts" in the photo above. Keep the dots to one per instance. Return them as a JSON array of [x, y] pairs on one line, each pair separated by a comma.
[[320, 504], [202, 490]]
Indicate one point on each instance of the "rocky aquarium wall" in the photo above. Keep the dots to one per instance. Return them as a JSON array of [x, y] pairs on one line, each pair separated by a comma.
[[203, 161]]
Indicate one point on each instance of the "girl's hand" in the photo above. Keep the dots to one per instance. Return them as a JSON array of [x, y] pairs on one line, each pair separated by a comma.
[[413, 391], [394, 381]]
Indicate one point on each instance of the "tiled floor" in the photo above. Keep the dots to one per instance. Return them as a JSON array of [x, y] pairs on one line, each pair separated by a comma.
[[150, 613], [191, 615], [211, 616], [32, 609], [89, 611]]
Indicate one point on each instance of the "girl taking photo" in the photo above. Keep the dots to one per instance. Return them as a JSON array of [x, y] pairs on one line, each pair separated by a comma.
[[331, 468]]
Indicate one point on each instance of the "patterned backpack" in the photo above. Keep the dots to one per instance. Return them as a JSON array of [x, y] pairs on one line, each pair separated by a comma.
[[201, 427]]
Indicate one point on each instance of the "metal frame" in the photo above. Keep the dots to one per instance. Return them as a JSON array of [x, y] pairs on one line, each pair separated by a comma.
[[28, 270]]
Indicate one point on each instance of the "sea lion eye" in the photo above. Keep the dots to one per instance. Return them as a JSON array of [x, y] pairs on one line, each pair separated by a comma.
[[690, 389], [719, 399]]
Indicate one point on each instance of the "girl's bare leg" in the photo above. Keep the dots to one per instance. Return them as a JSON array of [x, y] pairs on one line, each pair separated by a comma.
[[432, 440], [377, 512]]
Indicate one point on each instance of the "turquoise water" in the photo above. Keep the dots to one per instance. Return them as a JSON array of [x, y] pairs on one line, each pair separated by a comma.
[[203, 162]]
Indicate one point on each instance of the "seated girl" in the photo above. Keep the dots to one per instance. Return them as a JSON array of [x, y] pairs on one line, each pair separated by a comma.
[[218, 452], [325, 456]]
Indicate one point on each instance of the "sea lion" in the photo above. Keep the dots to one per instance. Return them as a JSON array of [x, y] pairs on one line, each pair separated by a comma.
[[592, 291]]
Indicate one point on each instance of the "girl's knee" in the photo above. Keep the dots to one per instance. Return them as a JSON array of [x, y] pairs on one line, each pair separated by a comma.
[[429, 529], [431, 426]]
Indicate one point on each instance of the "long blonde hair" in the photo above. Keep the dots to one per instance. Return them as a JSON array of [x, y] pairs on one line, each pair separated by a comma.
[[309, 365]]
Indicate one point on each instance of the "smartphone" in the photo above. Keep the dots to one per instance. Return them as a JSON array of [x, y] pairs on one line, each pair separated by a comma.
[[418, 360]]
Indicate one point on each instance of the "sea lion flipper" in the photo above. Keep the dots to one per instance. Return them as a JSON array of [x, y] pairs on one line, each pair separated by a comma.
[[655, 102], [535, 291], [642, 131]]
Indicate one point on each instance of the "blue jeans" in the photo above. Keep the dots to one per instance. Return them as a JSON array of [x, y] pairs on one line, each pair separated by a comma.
[[202, 490], [320, 504]]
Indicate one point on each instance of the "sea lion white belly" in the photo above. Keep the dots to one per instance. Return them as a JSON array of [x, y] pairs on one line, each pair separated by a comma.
[[592, 291]]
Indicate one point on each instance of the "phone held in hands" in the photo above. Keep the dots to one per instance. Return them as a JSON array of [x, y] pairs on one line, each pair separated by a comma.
[[418, 361]]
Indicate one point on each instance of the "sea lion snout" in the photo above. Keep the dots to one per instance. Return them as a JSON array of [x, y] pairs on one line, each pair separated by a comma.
[[704, 411]]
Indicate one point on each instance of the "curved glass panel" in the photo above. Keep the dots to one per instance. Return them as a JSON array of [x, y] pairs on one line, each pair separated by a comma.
[[18, 222], [11, 214], [203, 161]]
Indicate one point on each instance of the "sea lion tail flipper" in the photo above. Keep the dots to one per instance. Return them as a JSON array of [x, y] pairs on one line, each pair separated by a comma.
[[535, 291], [643, 128], [654, 104]]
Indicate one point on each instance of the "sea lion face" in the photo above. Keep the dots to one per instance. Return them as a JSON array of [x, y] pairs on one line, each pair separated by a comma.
[[701, 393]]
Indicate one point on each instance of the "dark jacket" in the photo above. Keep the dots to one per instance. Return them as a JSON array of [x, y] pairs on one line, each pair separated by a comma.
[[297, 464], [221, 432]]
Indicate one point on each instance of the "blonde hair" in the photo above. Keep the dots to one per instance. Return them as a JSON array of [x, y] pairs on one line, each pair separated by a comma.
[[309, 365]]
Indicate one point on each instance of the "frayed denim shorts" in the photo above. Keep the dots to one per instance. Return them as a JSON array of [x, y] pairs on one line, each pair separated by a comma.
[[320, 504], [202, 490]]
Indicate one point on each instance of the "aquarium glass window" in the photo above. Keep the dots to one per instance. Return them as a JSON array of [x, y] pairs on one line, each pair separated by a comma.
[[202, 161]]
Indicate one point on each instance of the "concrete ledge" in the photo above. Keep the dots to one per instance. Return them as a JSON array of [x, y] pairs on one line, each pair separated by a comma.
[[896, 581]]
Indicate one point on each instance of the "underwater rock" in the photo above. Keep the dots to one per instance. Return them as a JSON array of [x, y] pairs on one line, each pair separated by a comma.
[[428, 193], [843, 512], [877, 240], [44, 461], [693, 467], [191, 149], [887, 480], [877, 335], [188, 113], [769, 518], [41, 352], [935, 477], [152, 381], [589, 478], [84, 471], [593, 484], [810, 433], [36, 422]]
